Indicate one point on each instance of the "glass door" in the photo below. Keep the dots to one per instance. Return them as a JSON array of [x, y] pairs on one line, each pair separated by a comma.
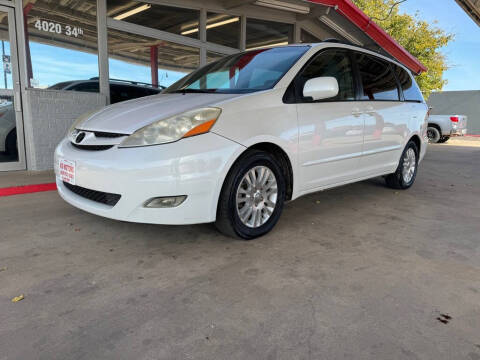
[[12, 149]]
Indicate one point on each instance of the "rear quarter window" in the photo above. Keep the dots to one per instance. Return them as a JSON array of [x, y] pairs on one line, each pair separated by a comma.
[[411, 91]]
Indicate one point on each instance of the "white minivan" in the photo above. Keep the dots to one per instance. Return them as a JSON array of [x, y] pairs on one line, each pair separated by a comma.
[[232, 141]]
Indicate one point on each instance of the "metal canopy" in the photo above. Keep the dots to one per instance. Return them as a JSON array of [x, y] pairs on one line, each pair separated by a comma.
[[322, 18], [472, 8]]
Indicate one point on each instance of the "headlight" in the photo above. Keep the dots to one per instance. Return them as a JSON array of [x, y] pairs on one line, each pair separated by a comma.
[[180, 126], [81, 119]]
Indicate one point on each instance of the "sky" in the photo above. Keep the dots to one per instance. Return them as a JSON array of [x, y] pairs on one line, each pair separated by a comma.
[[463, 53]]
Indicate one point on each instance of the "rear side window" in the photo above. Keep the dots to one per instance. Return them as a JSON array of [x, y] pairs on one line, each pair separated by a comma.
[[120, 93], [335, 63], [86, 86], [410, 89], [378, 79]]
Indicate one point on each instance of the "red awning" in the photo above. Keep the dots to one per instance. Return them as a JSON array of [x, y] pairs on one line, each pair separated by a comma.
[[375, 32]]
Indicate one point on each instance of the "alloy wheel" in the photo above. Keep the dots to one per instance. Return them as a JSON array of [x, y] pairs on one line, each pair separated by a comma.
[[256, 196]]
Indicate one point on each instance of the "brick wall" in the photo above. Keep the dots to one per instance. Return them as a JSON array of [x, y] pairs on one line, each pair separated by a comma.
[[47, 116]]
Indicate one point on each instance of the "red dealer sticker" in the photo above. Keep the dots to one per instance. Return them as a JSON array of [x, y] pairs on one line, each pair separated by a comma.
[[67, 171]]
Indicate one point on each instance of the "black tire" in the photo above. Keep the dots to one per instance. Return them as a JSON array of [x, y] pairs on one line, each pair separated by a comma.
[[11, 143], [433, 134], [396, 180], [228, 220], [443, 139]]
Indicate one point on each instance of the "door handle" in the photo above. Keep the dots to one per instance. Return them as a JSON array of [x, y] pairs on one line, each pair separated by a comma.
[[370, 110]]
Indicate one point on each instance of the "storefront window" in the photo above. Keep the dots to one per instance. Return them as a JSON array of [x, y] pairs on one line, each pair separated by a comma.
[[261, 33], [152, 62], [223, 29], [61, 41], [307, 38], [174, 20], [6, 70]]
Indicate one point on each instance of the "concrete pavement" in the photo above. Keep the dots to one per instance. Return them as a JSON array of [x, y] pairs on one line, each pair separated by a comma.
[[357, 272]]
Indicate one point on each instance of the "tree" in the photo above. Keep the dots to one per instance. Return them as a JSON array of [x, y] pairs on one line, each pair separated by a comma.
[[418, 37]]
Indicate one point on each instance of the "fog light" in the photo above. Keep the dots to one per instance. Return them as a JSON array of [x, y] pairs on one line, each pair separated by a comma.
[[165, 202]]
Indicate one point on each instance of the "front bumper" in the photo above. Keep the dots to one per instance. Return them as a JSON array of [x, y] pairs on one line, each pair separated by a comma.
[[194, 167]]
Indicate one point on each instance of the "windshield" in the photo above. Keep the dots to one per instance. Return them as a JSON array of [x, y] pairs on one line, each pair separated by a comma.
[[241, 73]]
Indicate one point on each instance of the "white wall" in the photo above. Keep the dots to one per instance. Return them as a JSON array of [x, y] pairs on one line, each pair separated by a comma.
[[47, 116]]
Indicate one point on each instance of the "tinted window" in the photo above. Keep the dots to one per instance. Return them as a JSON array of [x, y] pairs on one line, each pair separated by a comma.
[[335, 63], [86, 86], [410, 89], [378, 79], [120, 93], [60, 86]]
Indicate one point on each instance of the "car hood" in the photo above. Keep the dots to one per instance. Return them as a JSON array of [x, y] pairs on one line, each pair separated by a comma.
[[129, 116]]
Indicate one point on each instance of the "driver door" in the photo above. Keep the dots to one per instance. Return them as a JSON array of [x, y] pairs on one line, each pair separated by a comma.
[[331, 130]]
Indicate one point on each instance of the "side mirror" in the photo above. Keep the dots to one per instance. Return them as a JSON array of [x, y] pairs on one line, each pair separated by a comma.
[[321, 88]]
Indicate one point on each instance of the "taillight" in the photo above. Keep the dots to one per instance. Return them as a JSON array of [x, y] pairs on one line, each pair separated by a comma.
[[454, 119]]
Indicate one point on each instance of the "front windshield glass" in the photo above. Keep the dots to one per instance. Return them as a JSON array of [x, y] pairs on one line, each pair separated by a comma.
[[241, 73]]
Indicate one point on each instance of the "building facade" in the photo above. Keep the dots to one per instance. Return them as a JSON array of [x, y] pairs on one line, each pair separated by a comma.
[[47, 45]]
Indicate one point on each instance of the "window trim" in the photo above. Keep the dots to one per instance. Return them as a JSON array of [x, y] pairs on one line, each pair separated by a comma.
[[399, 85], [413, 82]]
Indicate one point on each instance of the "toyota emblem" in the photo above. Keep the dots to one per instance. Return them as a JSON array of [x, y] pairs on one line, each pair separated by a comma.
[[80, 138]]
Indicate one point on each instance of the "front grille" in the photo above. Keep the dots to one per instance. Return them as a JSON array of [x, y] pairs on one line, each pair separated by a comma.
[[98, 196], [92, 147], [107, 135]]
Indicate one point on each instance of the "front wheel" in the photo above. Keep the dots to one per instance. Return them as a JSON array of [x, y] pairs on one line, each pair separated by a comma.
[[252, 196], [406, 172], [443, 139]]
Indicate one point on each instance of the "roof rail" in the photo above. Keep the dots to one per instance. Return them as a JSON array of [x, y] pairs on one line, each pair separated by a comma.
[[337, 41], [131, 82], [351, 12], [333, 40]]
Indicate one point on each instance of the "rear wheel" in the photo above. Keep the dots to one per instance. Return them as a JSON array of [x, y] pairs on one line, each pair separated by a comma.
[[443, 139], [252, 196], [406, 172], [433, 134]]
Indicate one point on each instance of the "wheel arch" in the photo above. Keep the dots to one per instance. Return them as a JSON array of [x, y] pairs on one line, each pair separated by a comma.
[[276, 150], [435, 125], [284, 160], [416, 139]]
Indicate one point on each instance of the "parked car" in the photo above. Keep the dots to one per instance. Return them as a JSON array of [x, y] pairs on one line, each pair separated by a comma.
[[442, 127], [120, 90], [235, 139]]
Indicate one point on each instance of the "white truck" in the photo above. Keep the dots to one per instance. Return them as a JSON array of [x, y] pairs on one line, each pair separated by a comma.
[[442, 127]]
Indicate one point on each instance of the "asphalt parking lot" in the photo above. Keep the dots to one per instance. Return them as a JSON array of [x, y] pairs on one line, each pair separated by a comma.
[[358, 272]]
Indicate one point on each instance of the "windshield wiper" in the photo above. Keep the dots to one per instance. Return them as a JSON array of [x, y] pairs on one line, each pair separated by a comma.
[[187, 90], [193, 91]]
